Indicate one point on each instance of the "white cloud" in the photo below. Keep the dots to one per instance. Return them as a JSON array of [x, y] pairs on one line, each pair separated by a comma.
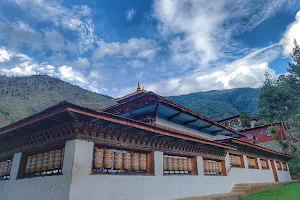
[[81, 63], [94, 79], [292, 32], [18, 34], [135, 64], [54, 40], [248, 71], [201, 31], [76, 19], [135, 47], [130, 14], [18, 64], [4, 55], [69, 74], [106, 49]]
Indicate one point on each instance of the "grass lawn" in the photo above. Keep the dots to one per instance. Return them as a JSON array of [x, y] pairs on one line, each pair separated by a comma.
[[287, 192]]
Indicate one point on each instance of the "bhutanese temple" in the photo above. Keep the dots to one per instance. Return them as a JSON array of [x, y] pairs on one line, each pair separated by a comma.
[[145, 147]]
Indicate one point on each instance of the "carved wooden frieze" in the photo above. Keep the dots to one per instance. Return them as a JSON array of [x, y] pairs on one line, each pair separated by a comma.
[[93, 131], [129, 138], [37, 139]]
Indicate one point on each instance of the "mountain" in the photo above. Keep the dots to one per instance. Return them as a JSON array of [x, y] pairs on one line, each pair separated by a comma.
[[220, 104], [21, 97]]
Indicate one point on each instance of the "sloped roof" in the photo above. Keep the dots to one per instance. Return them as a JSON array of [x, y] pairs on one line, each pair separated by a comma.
[[176, 113]]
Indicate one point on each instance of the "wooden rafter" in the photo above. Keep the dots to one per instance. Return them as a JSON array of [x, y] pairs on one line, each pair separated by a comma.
[[204, 127], [190, 121], [217, 131], [175, 115], [73, 115], [57, 120], [156, 109]]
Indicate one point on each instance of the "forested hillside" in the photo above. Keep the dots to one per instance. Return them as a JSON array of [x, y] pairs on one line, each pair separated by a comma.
[[219, 104], [24, 96]]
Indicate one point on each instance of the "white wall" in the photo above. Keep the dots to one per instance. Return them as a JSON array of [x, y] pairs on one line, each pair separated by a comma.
[[48, 188], [78, 184], [242, 175], [284, 176], [39, 188], [181, 127], [159, 187]]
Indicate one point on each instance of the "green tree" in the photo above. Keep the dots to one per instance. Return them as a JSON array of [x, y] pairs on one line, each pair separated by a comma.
[[245, 118], [280, 100]]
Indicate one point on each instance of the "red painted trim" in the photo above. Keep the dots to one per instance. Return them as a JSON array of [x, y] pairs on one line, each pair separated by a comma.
[[140, 125], [32, 119], [260, 148]]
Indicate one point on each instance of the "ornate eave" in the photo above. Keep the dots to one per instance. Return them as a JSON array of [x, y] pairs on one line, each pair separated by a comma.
[[98, 126], [151, 104], [67, 121]]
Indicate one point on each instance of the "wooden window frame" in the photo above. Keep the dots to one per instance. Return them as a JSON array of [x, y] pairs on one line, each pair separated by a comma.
[[237, 166], [50, 172], [149, 162], [6, 177], [281, 167], [194, 166], [268, 166], [256, 163], [284, 165], [223, 166]]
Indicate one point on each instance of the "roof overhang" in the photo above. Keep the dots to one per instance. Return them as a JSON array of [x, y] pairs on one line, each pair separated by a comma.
[[154, 105], [67, 112], [259, 148], [186, 117]]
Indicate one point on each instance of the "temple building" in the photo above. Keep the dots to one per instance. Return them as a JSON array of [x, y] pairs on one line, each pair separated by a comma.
[[236, 123], [145, 147], [261, 135]]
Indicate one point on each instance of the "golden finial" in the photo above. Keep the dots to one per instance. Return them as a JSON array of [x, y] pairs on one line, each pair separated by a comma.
[[138, 87]]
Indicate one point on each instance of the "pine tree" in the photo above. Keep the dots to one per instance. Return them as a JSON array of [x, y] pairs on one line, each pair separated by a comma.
[[245, 118]]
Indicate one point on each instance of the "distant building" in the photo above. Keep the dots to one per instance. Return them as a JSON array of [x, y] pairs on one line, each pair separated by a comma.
[[235, 122], [261, 134], [257, 134]]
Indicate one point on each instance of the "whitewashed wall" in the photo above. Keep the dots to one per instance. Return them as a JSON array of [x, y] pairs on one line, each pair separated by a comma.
[[39, 188], [77, 184], [283, 175], [159, 187]]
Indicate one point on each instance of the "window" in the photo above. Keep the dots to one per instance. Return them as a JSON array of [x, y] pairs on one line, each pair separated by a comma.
[[268, 133], [44, 164], [249, 136], [117, 161], [252, 163], [214, 168], [285, 167], [264, 164], [279, 167], [236, 161], [5, 168], [261, 132], [180, 165]]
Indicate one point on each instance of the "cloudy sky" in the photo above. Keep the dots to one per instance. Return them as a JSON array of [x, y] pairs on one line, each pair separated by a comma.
[[171, 46]]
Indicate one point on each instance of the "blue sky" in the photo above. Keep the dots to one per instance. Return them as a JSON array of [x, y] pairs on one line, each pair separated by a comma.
[[171, 46]]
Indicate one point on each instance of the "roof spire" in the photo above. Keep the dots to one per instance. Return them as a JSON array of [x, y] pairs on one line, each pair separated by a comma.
[[138, 87]]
